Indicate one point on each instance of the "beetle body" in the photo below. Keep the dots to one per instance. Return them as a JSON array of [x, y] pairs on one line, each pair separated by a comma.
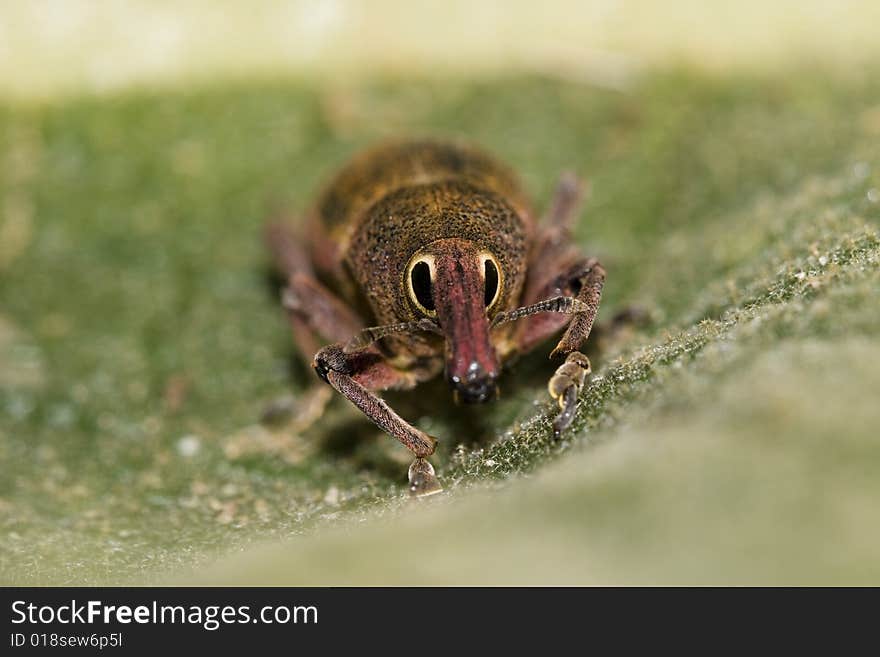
[[422, 255]]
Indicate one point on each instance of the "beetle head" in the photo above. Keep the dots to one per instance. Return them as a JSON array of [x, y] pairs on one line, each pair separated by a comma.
[[457, 283]]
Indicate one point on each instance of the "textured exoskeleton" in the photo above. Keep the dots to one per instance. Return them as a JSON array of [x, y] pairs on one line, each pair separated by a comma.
[[425, 257]]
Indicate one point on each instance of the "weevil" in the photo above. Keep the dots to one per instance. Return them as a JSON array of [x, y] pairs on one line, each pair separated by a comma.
[[425, 257]]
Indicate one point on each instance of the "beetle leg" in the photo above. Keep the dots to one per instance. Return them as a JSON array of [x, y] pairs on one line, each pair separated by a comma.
[[552, 248], [315, 315], [546, 317], [562, 288], [556, 269], [313, 309], [574, 298], [570, 377], [285, 248], [306, 300], [591, 280], [567, 200], [355, 375]]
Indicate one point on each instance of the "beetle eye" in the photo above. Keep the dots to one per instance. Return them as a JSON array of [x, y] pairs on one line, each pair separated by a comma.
[[491, 277], [420, 280]]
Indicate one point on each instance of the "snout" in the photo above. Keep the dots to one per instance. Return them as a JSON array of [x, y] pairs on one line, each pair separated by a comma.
[[476, 386]]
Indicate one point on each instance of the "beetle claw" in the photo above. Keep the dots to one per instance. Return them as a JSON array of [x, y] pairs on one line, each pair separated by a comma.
[[568, 404]]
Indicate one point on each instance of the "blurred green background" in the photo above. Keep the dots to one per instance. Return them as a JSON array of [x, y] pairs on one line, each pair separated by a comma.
[[735, 171]]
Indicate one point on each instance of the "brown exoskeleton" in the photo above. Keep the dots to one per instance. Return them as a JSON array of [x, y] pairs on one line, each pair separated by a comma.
[[417, 259]]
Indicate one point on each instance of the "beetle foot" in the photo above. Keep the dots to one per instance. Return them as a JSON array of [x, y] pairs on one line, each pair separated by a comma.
[[568, 404], [422, 480], [565, 387]]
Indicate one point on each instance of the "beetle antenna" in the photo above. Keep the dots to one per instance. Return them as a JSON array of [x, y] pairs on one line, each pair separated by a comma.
[[564, 305], [368, 336]]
